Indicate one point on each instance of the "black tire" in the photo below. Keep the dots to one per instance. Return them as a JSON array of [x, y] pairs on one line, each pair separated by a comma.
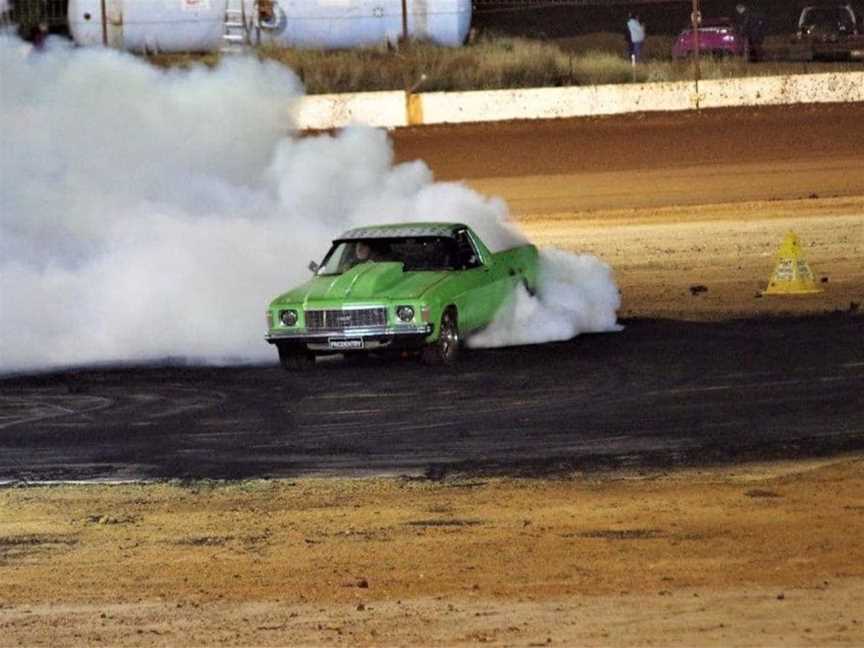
[[445, 350], [293, 360]]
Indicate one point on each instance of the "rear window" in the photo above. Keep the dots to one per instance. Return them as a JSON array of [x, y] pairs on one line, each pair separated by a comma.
[[828, 18]]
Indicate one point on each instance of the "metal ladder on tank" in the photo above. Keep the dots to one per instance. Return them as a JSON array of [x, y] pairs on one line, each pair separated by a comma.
[[237, 36]]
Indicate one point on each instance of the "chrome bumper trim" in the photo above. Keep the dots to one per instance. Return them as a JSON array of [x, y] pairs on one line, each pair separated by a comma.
[[372, 331]]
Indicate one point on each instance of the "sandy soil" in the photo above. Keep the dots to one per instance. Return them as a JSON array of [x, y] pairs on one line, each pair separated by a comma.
[[673, 201], [763, 555], [729, 252]]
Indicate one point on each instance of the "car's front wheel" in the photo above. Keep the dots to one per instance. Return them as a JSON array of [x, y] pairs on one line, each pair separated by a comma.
[[293, 360], [444, 350]]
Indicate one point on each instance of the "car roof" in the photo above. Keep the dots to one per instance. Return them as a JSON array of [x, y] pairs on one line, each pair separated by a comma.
[[717, 22], [841, 6], [397, 230]]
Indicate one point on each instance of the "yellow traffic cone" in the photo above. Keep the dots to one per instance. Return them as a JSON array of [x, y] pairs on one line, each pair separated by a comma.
[[792, 275]]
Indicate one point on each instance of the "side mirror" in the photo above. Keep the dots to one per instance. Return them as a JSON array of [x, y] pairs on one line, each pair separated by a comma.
[[314, 267]]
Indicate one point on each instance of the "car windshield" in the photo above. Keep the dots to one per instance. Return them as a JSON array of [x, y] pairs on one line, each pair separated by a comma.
[[827, 18], [416, 253]]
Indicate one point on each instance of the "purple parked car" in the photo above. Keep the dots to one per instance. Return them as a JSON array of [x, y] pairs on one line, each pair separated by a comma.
[[717, 37]]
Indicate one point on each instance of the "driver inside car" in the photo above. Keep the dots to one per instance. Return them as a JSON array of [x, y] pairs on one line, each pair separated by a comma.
[[371, 251]]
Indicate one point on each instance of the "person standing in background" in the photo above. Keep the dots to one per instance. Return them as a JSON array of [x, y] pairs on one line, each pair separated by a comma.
[[742, 24], [637, 37], [627, 36], [752, 25]]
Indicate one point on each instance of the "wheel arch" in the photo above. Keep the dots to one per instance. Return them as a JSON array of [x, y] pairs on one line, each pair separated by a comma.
[[436, 312]]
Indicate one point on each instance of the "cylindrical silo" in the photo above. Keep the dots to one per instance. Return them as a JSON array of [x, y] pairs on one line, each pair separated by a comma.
[[149, 25], [328, 24]]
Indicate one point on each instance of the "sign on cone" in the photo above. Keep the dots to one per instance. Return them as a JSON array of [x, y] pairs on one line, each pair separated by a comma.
[[792, 275]]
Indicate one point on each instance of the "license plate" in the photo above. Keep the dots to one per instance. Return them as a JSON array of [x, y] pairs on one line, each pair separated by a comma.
[[345, 344]]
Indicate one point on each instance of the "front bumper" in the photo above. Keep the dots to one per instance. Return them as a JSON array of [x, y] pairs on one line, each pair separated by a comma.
[[356, 339]]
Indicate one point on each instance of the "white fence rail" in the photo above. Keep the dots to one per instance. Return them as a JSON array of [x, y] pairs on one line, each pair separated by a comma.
[[394, 109]]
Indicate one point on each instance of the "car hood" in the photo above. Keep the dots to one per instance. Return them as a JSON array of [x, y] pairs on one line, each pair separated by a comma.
[[366, 282]]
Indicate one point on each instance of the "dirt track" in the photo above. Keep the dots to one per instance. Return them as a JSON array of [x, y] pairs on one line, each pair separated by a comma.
[[673, 201], [737, 555], [818, 136], [756, 556]]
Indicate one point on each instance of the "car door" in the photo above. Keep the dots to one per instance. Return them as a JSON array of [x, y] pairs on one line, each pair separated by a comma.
[[483, 286]]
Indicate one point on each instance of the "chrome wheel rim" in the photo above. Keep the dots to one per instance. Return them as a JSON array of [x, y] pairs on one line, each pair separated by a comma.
[[449, 337]]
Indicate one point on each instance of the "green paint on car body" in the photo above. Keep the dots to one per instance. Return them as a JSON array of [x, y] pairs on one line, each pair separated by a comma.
[[389, 286]]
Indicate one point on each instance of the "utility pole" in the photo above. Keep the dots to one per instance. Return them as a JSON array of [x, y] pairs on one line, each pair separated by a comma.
[[404, 21], [696, 20], [104, 23]]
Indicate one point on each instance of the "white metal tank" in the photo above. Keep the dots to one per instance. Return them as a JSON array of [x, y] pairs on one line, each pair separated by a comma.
[[149, 25], [331, 24], [5, 16]]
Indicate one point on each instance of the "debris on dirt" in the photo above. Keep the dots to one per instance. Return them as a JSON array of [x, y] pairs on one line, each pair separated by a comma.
[[467, 484], [110, 519], [445, 522], [619, 534], [698, 289], [760, 492], [34, 540], [204, 541], [436, 472]]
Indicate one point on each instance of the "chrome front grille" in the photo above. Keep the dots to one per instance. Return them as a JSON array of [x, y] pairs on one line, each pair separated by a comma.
[[337, 320]]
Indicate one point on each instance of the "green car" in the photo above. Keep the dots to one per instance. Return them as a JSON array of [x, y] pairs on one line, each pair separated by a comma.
[[417, 286]]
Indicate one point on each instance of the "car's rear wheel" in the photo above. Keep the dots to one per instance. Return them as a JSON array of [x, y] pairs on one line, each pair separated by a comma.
[[445, 350], [294, 360]]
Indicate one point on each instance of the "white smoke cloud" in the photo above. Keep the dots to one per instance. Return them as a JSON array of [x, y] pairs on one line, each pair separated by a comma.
[[148, 213], [576, 293]]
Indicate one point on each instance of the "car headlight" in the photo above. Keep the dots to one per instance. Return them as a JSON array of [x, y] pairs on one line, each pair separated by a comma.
[[405, 313], [288, 317]]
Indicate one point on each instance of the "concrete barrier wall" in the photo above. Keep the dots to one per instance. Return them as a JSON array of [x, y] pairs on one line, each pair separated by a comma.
[[765, 91], [391, 109], [549, 103], [321, 112]]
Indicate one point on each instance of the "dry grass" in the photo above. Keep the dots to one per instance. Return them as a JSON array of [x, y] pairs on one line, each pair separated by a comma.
[[498, 62], [210, 59], [486, 65]]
